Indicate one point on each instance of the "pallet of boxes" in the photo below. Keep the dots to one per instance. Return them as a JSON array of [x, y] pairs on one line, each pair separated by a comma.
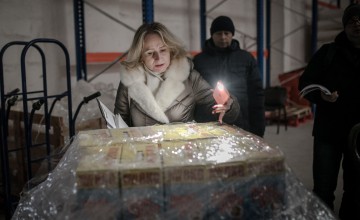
[[178, 171]]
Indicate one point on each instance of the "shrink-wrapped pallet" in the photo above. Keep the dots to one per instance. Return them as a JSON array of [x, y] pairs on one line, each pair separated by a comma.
[[168, 170], [173, 171]]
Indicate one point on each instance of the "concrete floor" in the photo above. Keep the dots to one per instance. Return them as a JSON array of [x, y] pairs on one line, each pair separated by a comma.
[[296, 143]]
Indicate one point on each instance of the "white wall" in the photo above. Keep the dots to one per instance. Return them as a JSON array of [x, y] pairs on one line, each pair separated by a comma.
[[289, 45], [26, 20]]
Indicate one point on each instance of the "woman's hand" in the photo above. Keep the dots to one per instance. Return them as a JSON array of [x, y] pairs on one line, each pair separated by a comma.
[[222, 109], [330, 98]]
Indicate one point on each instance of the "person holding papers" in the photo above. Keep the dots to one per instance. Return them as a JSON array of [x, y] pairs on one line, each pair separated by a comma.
[[159, 85], [336, 66]]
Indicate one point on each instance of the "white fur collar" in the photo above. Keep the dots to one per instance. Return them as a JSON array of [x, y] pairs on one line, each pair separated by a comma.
[[169, 89]]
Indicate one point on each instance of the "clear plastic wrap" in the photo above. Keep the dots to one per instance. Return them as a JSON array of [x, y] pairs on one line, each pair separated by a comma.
[[80, 90], [176, 171]]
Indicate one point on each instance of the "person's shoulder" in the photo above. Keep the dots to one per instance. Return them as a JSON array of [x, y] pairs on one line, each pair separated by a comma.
[[196, 56], [194, 76], [200, 59], [327, 45], [199, 55], [244, 54], [326, 51], [235, 48]]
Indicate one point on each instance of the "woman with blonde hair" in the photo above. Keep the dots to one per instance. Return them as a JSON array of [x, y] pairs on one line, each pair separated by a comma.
[[159, 85]]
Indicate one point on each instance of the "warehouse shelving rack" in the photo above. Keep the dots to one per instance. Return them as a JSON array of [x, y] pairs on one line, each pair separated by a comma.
[[40, 98], [264, 43], [148, 16]]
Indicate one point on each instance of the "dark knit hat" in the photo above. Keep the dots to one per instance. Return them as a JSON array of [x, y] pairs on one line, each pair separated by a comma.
[[222, 23], [349, 12]]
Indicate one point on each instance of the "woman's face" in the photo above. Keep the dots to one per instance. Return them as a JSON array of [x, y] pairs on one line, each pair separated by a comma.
[[155, 54]]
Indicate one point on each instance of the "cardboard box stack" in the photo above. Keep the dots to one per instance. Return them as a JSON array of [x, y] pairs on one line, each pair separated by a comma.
[[39, 153], [187, 171]]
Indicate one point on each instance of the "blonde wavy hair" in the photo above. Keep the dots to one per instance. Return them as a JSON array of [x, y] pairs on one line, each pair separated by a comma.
[[176, 48]]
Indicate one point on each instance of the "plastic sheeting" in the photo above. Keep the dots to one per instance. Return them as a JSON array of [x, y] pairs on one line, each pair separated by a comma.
[[91, 110], [176, 171]]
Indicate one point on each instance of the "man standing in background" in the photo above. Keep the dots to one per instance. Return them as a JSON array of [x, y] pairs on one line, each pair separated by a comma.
[[337, 67], [223, 60]]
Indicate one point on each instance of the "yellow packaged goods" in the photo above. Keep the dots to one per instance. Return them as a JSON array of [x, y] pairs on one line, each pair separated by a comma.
[[141, 181], [184, 167], [97, 179], [170, 169], [99, 166]]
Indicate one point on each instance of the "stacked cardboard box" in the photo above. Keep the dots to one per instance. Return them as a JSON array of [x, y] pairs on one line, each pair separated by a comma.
[[39, 153], [191, 171]]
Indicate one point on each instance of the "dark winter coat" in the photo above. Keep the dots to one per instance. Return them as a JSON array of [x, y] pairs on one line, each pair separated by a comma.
[[239, 72], [338, 70], [174, 101]]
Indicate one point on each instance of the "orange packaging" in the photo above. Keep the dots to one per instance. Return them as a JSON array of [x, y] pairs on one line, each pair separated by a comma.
[[221, 94]]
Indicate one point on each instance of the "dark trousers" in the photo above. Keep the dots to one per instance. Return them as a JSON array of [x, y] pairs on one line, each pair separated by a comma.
[[326, 164]]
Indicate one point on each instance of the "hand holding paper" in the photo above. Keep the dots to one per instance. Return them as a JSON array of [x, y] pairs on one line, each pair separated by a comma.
[[112, 121], [325, 93], [332, 97]]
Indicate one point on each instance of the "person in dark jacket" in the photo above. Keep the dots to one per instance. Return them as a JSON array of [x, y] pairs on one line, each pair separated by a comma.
[[222, 60], [158, 84], [337, 67]]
